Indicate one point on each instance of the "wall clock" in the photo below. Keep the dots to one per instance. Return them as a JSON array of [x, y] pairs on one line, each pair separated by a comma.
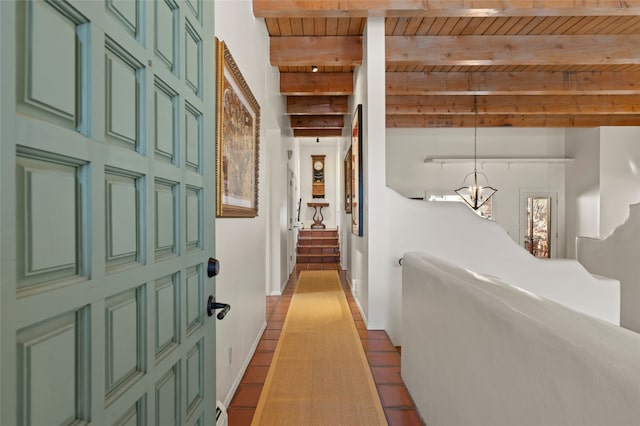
[[317, 182]]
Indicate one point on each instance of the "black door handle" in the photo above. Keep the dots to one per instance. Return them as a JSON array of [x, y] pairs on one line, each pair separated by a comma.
[[213, 267], [212, 305]]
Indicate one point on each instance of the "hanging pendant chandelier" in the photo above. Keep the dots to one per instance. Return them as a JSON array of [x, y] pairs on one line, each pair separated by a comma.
[[472, 191]]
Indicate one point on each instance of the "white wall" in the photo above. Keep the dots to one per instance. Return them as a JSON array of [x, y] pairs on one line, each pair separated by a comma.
[[407, 173], [278, 143], [602, 181], [582, 186], [257, 241], [376, 219], [327, 147], [355, 247], [619, 175], [368, 285]]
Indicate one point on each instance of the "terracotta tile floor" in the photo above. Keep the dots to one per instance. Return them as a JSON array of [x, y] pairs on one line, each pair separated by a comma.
[[384, 360]]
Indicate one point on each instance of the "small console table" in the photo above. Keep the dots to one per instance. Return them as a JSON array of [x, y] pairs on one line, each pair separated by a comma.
[[317, 215]]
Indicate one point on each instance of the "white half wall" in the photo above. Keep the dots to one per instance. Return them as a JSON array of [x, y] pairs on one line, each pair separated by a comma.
[[601, 182], [408, 174], [616, 256], [481, 352], [452, 232]]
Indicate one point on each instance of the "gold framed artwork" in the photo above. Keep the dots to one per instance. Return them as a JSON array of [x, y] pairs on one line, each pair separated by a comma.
[[237, 140], [357, 214], [347, 181]]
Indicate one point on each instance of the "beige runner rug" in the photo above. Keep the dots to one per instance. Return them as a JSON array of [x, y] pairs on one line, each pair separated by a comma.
[[319, 374]]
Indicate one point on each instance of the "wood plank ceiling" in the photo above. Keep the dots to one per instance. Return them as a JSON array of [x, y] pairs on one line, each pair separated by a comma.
[[528, 63]]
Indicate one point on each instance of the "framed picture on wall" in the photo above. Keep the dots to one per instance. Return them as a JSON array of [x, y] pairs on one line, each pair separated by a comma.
[[356, 173], [237, 140], [347, 181]]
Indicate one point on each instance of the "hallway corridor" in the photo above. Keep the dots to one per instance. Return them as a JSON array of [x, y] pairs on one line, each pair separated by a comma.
[[383, 357]]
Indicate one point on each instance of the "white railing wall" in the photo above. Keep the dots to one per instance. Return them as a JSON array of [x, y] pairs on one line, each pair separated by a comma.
[[480, 352], [617, 256], [451, 231]]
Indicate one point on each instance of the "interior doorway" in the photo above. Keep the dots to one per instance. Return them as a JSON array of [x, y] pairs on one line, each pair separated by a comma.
[[538, 233]]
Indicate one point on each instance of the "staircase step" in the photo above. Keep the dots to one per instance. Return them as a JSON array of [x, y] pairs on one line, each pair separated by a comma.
[[318, 258], [306, 241], [332, 250], [318, 233], [318, 246]]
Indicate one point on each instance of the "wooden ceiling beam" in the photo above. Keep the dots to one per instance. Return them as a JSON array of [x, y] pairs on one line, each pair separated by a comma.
[[314, 105], [437, 8], [433, 121], [521, 105], [317, 121], [319, 51], [309, 84], [316, 133], [513, 83], [513, 50]]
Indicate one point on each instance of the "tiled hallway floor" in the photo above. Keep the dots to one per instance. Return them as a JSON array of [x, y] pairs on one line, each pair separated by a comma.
[[384, 360]]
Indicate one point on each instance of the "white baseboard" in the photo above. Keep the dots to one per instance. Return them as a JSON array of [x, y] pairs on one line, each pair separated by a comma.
[[245, 364], [364, 317], [283, 286], [353, 293]]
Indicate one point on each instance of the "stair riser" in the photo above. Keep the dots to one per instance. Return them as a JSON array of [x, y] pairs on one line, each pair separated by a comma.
[[315, 233], [318, 246], [309, 243], [320, 259], [318, 250]]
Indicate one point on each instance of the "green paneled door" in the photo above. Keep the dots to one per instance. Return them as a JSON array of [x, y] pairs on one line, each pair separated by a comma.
[[107, 212]]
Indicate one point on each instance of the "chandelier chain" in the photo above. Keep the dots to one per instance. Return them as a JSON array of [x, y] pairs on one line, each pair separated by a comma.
[[473, 194]]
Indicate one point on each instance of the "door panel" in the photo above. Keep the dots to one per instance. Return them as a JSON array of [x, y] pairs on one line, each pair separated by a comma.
[[194, 376], [123, 218], [124, 85], [53, 360], [165, 208], [104, 113], [47, 254], [124, 340], [167, 16]]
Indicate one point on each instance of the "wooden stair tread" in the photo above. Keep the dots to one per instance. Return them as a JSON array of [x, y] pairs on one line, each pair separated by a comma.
[[318, 246], [337, 253]]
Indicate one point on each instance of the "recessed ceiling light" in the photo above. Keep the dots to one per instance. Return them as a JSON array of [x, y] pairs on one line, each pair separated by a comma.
[[314, 68]]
